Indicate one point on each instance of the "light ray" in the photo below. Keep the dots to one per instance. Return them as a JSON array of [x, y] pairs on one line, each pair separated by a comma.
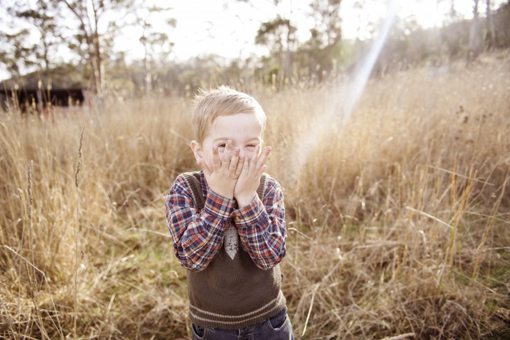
[[343, 101]]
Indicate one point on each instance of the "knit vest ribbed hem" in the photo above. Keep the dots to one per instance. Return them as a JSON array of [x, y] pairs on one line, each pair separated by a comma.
[[207, 319]]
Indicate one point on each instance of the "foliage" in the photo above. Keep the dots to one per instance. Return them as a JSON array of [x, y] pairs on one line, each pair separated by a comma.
[[323, 56]]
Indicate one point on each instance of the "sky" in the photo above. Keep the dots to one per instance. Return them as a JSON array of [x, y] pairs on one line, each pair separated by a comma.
[[228, 28]]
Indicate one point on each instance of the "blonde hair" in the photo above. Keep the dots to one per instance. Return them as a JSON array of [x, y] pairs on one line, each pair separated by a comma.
[[222, 101]]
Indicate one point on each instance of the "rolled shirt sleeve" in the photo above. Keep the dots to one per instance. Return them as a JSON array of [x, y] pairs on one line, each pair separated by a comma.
[[197, 235], [261, 226]]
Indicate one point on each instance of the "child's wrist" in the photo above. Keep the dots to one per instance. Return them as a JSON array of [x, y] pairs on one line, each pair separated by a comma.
[[223, 193], [244, 200]]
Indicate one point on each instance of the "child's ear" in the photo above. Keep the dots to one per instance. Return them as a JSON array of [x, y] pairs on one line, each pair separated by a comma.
[[197, 151]]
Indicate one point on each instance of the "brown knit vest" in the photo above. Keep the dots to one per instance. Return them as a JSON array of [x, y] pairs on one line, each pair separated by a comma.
[[232, 293]]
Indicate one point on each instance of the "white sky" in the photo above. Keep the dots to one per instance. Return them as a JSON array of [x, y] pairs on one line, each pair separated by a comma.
[[228, 28]]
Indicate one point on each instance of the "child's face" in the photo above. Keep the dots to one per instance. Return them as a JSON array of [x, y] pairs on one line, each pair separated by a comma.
[[243, 129]]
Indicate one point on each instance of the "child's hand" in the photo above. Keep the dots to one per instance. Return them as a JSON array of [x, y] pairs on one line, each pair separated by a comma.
[[247, 184], [225, 170]]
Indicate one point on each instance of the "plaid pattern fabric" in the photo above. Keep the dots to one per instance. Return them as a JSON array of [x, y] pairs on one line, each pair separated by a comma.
[[198, 235], [261, 226]]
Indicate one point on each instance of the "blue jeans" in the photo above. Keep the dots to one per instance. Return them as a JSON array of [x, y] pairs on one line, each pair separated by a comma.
[[277, 327]]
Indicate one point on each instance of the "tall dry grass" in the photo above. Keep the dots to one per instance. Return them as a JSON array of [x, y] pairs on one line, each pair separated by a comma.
[[397, 227]]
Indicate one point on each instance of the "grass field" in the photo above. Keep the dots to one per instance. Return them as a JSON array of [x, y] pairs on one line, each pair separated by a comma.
[[398, 225]]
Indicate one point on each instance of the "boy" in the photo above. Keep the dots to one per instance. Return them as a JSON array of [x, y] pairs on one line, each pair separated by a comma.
[[227, 223]]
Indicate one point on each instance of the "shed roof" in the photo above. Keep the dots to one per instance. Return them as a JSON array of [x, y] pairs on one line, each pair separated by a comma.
[[61, 77]]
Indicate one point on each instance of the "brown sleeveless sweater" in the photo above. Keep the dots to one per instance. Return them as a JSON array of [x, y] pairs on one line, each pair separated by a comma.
[[232, 293]]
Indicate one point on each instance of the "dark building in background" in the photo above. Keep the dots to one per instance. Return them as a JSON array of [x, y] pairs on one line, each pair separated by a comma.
[[26, 99], [34, 92]]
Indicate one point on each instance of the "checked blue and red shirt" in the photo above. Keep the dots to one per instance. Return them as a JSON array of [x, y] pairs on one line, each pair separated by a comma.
[[198, 236], [232, 255]]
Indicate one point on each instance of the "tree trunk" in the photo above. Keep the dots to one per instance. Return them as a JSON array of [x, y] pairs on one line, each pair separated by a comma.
[[99, 64], [91, 59], [97, 49], [90, 34], [490, 35], [287, 62], [474, 34]]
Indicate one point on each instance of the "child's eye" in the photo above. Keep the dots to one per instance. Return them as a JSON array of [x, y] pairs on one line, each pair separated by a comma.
[[222, 145], [251, 145]]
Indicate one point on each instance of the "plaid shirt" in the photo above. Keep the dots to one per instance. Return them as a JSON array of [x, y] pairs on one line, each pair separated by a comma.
[[198, 236]]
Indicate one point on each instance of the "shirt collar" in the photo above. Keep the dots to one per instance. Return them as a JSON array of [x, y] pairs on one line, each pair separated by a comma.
[[203, 182]]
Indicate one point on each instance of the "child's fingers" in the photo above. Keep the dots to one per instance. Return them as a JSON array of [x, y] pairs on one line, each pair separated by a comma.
[[264, 156], [240, 166], [261, 170], [234, 162], [257, 151], [227, 154], [223, 156], [252, 159], [251, 163]]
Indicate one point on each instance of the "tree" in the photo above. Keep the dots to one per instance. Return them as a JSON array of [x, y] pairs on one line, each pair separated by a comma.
[[156, 44], [18, 53], [502, 26], [42, 18], [490, 34], [91, 16], [326, 14], [475, 41], [278, 35], [323, 47]]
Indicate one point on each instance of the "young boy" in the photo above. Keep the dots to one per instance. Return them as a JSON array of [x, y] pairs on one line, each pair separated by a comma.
[[227, 223]]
